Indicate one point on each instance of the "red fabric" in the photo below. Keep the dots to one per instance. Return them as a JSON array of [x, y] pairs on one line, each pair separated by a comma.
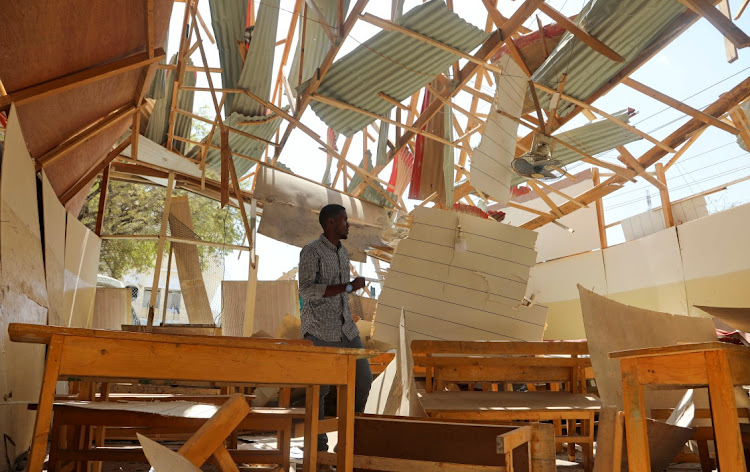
[[3, 120], [550, 31], [402, 163], [331, 138], [517, 191], [416, 173]]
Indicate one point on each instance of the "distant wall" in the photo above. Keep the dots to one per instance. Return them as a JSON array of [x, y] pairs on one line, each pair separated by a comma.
[[702, 262]]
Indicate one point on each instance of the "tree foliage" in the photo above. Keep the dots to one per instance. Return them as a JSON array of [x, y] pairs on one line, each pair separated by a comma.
[[137, 209]]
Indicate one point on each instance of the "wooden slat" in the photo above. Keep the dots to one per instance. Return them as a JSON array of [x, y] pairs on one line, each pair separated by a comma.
[[730, 48], [688, 110], [160, 250], [725, 26], [666, 205], [600, 212], [576, 31], [545, 197], [628, 159]]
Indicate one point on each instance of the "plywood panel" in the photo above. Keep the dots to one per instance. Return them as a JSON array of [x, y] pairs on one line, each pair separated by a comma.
[[612, 326], [449, 294], [111, 308], [274, 300], [23, 298], [490, 162], [54, 252], [652, 263], [188, 263], [82, 248]]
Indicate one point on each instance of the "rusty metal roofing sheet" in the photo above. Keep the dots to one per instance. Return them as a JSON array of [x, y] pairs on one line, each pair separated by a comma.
[[628, 27], [228, 19], [593, 138], [240, 144], [317, 43], [393, 63], [258, 69]]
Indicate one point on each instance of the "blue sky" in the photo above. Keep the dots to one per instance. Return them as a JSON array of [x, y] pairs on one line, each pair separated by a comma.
[[693, 68]]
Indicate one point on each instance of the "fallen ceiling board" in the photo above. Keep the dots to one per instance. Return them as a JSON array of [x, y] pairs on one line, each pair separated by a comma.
[[298, 226], [273, 301], [54, 252], [151, 153], [471, 294], [612, 326], [394, 392], [111, 308], [23, 298], [490, 162], [364, 307], [188, 263], [737, 318], [82, 249], [163, 459]]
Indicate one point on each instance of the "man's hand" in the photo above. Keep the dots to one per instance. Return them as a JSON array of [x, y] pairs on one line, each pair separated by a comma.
[[358, 283]]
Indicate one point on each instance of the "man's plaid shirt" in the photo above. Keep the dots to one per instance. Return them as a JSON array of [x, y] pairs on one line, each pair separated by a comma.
[[322, 264]]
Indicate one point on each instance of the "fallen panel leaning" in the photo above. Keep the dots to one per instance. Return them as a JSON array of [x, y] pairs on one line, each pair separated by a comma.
[[612, 326], [490, 162], [474, 292], [377, 65], [23, 297], [82, 248], [274, 299], [291, 207]]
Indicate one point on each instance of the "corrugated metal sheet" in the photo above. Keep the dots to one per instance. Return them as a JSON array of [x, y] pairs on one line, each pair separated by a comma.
[[317, 43], [258, 69], [240, 144], [158, 86], [393, 63], [158, 123], [228, 19], [627, 27], [593, 138], [370, 194]]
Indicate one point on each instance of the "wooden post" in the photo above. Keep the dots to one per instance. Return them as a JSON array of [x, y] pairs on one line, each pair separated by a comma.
[[600, 212], [102, 201], [666, 205], [166, 285], [160, 250], [252, 286]]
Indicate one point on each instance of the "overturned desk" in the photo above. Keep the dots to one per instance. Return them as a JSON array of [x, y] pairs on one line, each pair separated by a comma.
[[101, 355], [718, 366]]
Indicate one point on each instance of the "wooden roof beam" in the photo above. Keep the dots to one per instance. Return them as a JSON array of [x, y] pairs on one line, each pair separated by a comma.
[[725, 26], [678, 105], [287, 45], [630, 161], [576, 31], [496, 17], [314, 83]]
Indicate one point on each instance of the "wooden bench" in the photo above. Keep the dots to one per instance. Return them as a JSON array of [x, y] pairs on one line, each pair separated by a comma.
[[420, 444], [562, 366]]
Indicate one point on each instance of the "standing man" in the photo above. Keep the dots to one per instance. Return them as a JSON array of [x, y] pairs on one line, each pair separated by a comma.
[[324, 286]]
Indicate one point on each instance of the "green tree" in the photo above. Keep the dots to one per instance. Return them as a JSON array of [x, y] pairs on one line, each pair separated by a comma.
[[137, 209]]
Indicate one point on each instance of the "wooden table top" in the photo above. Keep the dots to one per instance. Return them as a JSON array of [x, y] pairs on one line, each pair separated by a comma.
[[42, 334], [680, 349]]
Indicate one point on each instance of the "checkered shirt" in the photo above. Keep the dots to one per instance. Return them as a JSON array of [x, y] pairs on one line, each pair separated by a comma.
[[322, 264]]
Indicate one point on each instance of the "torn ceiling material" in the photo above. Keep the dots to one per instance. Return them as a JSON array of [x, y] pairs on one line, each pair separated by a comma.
[[228, 23], [262, 127], [257, 71], [290, 212], [490, 162], [460, 277], [626, 27], [394, 64], [158, 123], [151, 153], [317, 43]]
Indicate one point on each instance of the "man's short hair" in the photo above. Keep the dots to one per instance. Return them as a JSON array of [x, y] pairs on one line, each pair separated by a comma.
[[329, 211]]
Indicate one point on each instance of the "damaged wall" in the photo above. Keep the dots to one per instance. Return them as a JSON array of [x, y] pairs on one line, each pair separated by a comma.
[[702, 262]]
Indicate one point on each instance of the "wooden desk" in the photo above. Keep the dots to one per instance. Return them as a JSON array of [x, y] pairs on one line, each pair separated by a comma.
[[102, 355], [719, 366]]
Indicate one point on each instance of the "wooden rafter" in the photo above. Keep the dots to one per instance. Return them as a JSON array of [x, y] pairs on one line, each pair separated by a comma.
[[629, 160], [77, 79], [725, 103], [180, 70], [312, 87], [287, 46], [559, 192], [576, 31], [725, 26], [496, 17], [684, 148], [678, 105], [666, 205], [741, 10], [730, 49], [600, 212], [555, 210]]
